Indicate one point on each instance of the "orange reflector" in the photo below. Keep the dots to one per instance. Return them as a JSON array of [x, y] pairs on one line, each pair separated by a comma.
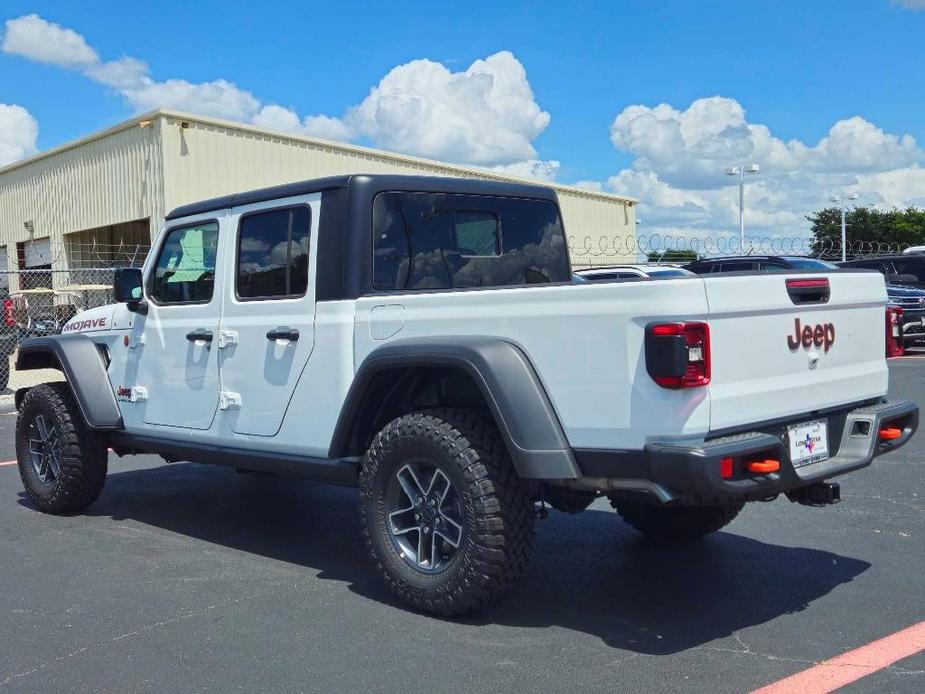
[[763, 467], [890, 434], [726, 468]]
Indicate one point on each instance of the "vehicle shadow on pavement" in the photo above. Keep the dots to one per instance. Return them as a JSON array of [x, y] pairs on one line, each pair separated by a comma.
[[594, 574], [589, 572]]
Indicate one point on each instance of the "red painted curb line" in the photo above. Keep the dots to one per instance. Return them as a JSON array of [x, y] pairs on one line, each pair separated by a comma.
[[849, 667]]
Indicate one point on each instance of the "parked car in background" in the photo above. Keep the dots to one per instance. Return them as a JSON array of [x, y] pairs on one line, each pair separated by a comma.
[[912, 302], [619, 272], [904, 270], [26, 313], [905, 285], [758, 263]]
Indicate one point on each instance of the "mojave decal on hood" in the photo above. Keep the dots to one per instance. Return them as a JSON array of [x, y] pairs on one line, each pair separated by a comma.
[[99, 318]]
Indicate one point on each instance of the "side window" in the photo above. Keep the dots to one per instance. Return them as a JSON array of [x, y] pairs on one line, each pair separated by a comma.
[[448, 241], [273, 254], [185, 269], [767, 266], [737, 266]]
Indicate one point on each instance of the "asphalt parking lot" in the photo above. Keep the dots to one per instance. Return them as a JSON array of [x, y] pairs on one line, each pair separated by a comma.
[[190, 578]]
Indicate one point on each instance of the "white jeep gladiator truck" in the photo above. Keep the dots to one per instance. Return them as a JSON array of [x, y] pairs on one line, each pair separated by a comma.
[[423, 339]]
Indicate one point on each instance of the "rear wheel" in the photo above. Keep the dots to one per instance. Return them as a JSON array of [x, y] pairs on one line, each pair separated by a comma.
[[445, 518], [676, 523], [62, 463]]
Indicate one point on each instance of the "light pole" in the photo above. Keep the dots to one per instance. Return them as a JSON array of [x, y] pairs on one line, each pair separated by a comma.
[[740, 171], [842, 201]]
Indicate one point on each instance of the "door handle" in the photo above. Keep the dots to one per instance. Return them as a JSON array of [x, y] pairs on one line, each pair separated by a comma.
[[199, 335], [283, 333]]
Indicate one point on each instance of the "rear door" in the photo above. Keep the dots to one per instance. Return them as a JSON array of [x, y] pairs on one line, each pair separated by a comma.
[[268, 319], [763, 368]]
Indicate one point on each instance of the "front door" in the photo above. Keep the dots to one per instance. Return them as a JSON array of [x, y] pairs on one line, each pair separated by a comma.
[[173, 370], [268, 320]]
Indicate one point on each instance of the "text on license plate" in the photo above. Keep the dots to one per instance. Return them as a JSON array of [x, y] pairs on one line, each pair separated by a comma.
[[809, 442]]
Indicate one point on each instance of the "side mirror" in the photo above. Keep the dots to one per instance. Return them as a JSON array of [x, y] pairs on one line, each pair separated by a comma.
[[126, 288]]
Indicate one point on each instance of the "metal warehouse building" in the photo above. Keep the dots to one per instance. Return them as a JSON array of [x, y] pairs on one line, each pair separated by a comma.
[[99, 201]]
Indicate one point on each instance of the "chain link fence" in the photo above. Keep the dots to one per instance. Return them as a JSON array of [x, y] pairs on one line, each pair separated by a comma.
[[40, 300]]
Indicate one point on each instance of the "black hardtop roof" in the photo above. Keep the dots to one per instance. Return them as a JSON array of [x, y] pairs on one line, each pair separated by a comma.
[[369, 185]]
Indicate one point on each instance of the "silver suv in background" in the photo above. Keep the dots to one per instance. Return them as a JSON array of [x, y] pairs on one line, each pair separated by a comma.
[[621, 272]]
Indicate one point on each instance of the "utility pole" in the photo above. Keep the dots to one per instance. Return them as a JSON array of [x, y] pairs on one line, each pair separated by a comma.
[[842, 201], [740, 171]]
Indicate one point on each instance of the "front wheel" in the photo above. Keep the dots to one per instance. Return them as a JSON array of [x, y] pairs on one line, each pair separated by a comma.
[[676, 523], [62, 463], [445, 518]]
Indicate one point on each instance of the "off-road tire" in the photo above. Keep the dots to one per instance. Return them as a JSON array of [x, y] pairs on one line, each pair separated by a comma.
[[83, 457], [497, 518], [676, 523]]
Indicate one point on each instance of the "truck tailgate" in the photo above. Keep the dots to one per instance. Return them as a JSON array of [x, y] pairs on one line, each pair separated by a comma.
[[763, 370]]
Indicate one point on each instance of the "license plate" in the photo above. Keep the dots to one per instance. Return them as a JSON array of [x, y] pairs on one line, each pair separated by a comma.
[[809, 442]]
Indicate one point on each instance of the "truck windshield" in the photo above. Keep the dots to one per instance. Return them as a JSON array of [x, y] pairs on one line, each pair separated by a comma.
[[447, 241]]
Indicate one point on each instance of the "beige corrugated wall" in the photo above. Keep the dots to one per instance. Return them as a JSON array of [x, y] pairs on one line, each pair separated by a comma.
[[108, 180], [131, 172], [211, 158]]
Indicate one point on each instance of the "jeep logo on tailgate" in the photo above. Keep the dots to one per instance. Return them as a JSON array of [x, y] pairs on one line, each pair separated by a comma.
[[819, 335]]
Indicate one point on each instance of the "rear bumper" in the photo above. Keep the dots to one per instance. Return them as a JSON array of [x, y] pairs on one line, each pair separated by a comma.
[[690, 471]]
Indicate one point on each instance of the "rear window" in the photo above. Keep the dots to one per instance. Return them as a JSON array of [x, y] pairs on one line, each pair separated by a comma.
[[450, 241], [910, 266], [667, 272], [810, 264], [877, 265]]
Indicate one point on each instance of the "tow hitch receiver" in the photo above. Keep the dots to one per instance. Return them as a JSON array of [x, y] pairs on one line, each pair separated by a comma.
[[817, 494]]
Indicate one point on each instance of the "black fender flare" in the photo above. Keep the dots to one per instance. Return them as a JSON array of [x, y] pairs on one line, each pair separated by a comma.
[[508, 382], [81, 362]]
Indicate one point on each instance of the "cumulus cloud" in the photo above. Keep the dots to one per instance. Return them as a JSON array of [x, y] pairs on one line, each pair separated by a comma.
[[45, 42], [486, 115], [689, 147], [910, 4], [18, 133], [679, 157], [536, 169]]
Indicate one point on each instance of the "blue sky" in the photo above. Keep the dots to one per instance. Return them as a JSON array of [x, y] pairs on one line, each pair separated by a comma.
[[798, 68]]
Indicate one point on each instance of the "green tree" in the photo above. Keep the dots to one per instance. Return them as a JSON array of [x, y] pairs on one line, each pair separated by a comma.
[[868, 230]]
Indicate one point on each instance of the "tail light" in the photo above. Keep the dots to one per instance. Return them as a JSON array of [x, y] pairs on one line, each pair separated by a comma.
[[678, 354], [9, 313], [894, 331]]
